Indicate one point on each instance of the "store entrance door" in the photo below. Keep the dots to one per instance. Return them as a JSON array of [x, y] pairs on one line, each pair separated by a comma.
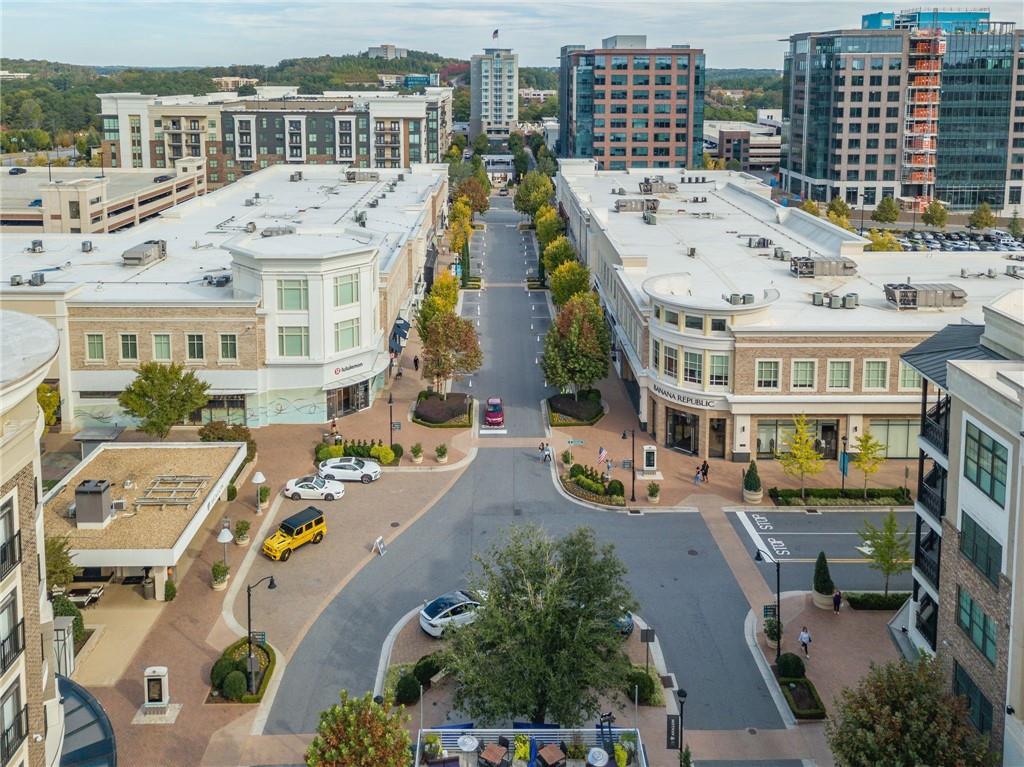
[[829, 440], [716, 438], [347, 399], [683, 430]]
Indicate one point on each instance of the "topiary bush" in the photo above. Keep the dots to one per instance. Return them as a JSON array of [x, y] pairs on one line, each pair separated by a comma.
[[232, 492], [822, 578], [426, 668], [591, 486], [751, 479], [791, 666], [383, 455], [576, 471], [615, 488], [644, 684], [407, 690], [65, 607], [234, 686], [170, 590], [398, 450], [220, 670]]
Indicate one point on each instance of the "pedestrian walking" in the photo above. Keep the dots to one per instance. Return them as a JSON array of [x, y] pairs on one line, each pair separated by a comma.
[[697, 476], [805, 641], [837, 601], [540, 449], [704, 469], [416, 363], [609, 465], [334, 427], [547, 452]]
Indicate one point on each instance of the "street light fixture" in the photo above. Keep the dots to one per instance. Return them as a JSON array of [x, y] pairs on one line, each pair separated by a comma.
[[681, 694], [225, 536], [258, 479], [251, 660], [391, 419], [632, 495], [764, 556]]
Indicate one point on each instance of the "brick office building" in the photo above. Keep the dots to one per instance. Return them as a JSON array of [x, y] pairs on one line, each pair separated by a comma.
[[630, 106], [731, 315]]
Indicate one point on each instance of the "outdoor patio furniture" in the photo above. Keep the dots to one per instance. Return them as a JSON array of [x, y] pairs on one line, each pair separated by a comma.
[[133, 580], [597, 757], [493, 755], [551, 755], [80, 598]]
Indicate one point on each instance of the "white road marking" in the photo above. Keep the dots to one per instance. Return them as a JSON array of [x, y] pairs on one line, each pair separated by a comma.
[[754, 537]]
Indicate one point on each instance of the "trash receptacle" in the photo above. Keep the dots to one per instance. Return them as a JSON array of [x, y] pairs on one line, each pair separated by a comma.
[[149, 588]]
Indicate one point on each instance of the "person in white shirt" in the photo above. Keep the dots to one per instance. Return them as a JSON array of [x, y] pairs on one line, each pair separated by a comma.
[[805, 641]]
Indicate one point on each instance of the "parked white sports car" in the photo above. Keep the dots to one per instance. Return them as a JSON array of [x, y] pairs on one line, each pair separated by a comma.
[[314, 487], [350, 468], [456, 608]]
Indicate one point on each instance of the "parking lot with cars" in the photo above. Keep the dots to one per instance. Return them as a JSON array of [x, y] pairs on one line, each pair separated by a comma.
[[967, 241]]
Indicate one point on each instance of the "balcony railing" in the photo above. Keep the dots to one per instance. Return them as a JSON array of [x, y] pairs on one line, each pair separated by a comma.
[[10, 554], [12, 645], [927, 619], [588, 739], [927, 562], [935, 427], [931, 492], [12, 738]]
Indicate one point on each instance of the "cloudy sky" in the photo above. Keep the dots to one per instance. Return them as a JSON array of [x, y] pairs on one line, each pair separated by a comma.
[[163, 33]]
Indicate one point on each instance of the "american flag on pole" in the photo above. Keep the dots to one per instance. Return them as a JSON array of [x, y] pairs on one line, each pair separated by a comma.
[[494, 35], [602, 456]]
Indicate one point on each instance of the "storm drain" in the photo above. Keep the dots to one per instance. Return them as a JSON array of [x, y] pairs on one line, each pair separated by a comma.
[[693, 552], [517, 511], [811, 511], [395, 524], [634, 512]]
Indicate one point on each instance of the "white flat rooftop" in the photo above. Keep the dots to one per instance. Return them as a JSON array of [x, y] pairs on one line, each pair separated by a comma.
[[26, 343], [18, 191], [321, 208], [738, 208]]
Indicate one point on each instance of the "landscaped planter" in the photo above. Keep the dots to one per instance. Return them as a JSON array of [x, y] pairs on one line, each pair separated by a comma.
[[822, 601], [242, 540], [219, 585], [417, 458], [653, 499], [755, 496]]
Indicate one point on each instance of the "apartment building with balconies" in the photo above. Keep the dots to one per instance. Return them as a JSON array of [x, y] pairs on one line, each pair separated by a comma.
[[31, 709], [494, 93], [916, 112], [731, 315], [290, 292], [630, 106], [967, 543]]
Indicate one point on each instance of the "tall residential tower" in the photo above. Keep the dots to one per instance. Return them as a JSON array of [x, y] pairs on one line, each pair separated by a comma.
[[494, 93]]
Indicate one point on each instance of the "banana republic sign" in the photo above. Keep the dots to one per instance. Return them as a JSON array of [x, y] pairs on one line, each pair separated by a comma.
[[704, 403]]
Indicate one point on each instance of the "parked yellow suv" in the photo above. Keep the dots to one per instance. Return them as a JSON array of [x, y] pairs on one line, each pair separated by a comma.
[[308, 526]]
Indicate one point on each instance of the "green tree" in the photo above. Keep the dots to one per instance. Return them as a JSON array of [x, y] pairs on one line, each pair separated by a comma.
[[360, 733], [162, 396], [475, 192], [839, 207], [889, 548], [515, 141], [544, 644], [903, 714], [577, 345], [733, 165], [886, 212], [935, 214], [521, 162], [459, 141], [810, 206], [247, 90], [445, 291], [707, 161], [450, 348], [1015, 227], [802, 459], [840, 221], [30, 114], [982, 217], [558, 251], [883, 241], [481, 144], [567, 280], [822, 577], [870, 453], [60, 570], [48, 398], [548, 225], [534, 190]]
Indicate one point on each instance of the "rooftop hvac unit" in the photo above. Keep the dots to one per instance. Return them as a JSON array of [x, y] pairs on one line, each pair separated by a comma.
[[37, 279], [87, 246], [703, 179], [735, 299], [631, 205], [249, 202], [835, 301], [401, 177], [1012, 270], [818, 298], [650, 217], [146, 253], [991, 274], [92, 502], [250, 227], [822, 266], [16, 278], [691, 252], [37, 246], [850, 301], [296, 176], [361, 217], [277, 231], [748, 298], [255, 195], [934, 295], [373, 203]]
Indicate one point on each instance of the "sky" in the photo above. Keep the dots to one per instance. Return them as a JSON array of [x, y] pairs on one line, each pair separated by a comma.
[[222, 32]]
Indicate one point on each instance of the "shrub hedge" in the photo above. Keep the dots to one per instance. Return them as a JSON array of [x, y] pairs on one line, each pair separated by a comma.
[[584, 410], [234, 685], [407, 691], [615, 487], [66, 608], [590, 485], [870, 601], [791, 665], [426, 668], [241, 646], [644, 684], [896, 496], [815, 711], [431, 410]]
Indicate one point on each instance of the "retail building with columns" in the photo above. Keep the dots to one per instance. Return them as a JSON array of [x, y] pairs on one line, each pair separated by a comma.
[[731, 315]]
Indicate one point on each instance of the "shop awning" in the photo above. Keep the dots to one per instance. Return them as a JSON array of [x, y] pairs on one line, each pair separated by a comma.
[[394, 344]]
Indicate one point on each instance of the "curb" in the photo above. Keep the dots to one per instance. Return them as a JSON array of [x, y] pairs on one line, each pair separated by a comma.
[[750, 634], [387, 646], [462, 463]]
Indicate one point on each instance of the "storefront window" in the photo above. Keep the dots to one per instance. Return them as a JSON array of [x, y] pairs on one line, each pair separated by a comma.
[[693, 367], [671, 363], [719, 372], [898, 435]]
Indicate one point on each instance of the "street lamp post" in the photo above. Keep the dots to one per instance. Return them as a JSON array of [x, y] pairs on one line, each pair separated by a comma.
[[862, 212], [391, 419], [225, 536], [681, 694], [632, 495], [843, 468], [251, 675], [764, 556], [258, 479]]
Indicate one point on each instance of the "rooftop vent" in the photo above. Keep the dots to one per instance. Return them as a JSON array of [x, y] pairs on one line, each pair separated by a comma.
[[37, 279], [277, 231], [146, 253], [822, 266], [16, 279], [250, 227], [87, 246], [295, 176], [904, 295], [37, 246], [373, 203], [650, 217], [361, 217], [401, 177], [249, 202], [217, 281], [691, 252], [759, 242]]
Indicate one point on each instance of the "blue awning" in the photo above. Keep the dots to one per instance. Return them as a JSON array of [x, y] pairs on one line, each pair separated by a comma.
[[403, 324], [394, 345], [399, 331]]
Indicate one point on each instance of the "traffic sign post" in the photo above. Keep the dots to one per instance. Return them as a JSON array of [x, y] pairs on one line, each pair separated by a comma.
[[576, 442], [259, 637], [647, 636], [396, 425]]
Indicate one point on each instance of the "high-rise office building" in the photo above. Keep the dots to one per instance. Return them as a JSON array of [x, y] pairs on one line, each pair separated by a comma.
[[630, 106], [910, 110], [494, 93], [947, 19]]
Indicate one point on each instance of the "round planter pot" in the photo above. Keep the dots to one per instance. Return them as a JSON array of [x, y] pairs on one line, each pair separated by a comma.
[[753, 496], [242, 540], [442, 459], [219, 585], [653, 499], [417, 458], [822, 601]]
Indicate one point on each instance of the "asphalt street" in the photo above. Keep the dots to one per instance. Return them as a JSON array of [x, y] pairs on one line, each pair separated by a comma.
[[684, 586], [796, 537]]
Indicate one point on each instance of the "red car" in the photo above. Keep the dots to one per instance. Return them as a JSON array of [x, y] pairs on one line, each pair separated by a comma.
[[494, 414]]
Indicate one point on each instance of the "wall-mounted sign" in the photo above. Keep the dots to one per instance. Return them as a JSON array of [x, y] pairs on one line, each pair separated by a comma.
[[690, 400]]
